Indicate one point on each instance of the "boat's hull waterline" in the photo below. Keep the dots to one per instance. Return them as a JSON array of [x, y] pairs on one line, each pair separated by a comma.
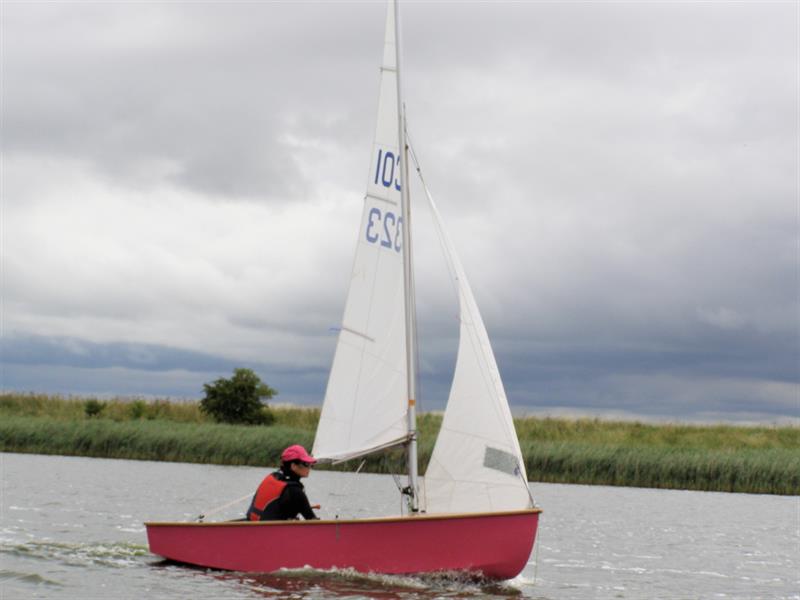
[[491, 545]]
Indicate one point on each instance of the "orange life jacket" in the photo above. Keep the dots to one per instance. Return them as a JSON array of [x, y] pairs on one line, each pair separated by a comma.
[[269, 491]]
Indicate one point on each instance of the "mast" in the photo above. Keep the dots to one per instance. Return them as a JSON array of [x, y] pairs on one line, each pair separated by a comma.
[[408, 279]]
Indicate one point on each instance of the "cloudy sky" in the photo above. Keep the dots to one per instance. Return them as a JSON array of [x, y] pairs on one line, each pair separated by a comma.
[[182, 186]]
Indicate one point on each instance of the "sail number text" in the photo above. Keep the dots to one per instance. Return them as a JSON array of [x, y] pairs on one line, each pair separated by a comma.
[[387, 170], [385, 228]]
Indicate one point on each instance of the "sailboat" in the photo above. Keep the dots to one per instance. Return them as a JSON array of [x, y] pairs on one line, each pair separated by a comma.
[[472, 511]]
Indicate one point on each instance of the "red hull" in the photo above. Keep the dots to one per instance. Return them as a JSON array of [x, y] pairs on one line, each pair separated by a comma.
[[494, 545]]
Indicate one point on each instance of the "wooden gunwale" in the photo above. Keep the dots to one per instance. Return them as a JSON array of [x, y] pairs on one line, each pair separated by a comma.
[[419, 517]]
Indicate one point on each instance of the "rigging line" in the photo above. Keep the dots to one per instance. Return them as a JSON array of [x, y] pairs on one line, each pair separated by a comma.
[[527, 485], [203, 515], [399, 485], [340, 488]]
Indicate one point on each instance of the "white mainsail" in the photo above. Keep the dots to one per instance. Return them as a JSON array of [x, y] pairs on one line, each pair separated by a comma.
[[365, 404], [476, 465]]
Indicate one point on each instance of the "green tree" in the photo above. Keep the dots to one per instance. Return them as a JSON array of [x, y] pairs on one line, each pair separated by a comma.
[[238, 399], [93, 407]]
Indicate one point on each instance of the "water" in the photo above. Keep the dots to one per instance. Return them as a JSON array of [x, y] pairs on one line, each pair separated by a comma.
[[71, 528]]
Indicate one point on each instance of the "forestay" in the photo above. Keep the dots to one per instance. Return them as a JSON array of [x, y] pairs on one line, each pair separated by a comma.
[[476, 464], [365, 402]]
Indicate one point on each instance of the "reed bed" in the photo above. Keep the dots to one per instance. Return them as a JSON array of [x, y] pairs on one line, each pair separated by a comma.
[[760, 471], [149, 440], [674, 435], [589, 451], [117, 409], [135, 408]]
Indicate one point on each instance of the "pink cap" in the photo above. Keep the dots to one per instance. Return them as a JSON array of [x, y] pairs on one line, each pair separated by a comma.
[[297, 452]]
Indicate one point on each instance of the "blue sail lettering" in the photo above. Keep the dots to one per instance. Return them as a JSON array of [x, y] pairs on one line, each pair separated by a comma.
[[384, 228], [387, 170], [387, 178], [378, 166], [388, 218], [374, 215]]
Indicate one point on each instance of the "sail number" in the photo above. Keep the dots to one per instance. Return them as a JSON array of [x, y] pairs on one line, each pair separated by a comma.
[[385, 228], [387, 170]]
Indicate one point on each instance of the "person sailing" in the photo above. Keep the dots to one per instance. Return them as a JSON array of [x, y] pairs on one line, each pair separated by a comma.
[[281, 495]]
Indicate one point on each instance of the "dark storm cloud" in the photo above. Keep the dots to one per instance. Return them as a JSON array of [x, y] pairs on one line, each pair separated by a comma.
[[75, 352], [56, 365], [620, 179]]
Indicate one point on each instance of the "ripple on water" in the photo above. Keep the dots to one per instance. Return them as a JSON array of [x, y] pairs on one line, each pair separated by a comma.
[[79, 555], [30, 578]]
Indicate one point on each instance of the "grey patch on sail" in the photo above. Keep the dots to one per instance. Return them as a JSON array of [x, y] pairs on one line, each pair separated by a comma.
[[500, 460]]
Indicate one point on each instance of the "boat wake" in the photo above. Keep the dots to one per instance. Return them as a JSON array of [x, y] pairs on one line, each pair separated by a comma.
[[349, 583], [79, 555]]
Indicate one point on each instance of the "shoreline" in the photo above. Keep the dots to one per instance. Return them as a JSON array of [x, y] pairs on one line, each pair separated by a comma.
[[760, 460]]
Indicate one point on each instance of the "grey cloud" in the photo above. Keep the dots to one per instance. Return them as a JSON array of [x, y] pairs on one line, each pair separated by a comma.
[[74, 352], [75, 366], [619, 178], [206, 89]]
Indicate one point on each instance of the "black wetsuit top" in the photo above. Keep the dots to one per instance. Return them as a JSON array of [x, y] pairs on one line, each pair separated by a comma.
[[292, 501]]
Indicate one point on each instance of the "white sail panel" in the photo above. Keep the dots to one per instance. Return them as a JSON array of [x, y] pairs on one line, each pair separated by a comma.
[[476, 465], [365, 402]]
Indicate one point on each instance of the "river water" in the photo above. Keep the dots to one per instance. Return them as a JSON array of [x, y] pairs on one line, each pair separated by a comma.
[[71, 528]]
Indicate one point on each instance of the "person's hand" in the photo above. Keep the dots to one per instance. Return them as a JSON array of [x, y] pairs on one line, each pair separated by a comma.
[[316, 506]]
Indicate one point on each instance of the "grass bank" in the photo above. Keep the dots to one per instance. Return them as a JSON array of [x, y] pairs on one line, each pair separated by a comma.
[[590, 451]]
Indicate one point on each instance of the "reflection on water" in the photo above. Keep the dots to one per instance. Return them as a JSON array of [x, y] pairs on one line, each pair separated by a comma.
[[82, 537]]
